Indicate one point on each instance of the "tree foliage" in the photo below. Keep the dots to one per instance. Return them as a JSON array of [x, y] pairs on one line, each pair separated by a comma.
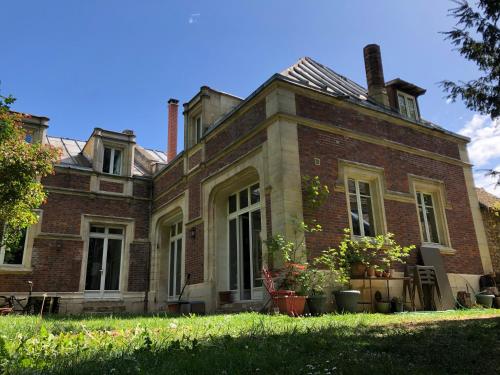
[[476, 36], [22, 164]]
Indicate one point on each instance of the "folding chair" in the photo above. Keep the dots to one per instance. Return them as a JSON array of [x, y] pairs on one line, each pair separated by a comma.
[[271, 289], [408, 283], [425, 276]]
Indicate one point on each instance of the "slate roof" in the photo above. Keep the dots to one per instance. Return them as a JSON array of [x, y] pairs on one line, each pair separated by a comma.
[[71, 155], [313, 74], [486, 199], [310, 73]]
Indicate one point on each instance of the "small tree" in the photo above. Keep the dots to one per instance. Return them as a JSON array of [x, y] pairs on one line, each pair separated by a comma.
[[477, 38], [22, 164]]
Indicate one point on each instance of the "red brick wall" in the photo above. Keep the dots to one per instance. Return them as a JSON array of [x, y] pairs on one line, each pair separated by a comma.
[[401, 217], [112, 187], [56, 268], [194, 254], [138, 266], [195, 159], [355, 120], [56, 263]]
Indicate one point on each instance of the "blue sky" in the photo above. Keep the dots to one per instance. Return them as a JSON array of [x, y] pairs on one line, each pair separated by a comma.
[[115, 63]]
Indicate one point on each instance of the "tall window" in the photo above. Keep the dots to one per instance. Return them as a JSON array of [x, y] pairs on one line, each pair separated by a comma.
[[112, 162], [198, 129], [104, 259], [175, 260], [245, 247], [407, 106], [427, 214], [13, 254], [361, 207]]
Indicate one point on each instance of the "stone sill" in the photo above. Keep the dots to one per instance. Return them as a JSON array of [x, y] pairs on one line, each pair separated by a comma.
[[14, 269]]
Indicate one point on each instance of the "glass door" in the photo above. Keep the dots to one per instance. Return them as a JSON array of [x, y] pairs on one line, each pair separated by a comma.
[[104, 260], [245, 247], [175, 261]]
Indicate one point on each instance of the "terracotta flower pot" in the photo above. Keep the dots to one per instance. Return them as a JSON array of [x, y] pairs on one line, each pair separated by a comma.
[[371, 272], [358, 269], [291, 305], [378, 273]]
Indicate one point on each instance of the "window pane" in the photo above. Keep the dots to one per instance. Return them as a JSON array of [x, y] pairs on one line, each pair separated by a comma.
[[364, 188], [233, 255], [256, 249], [107, 160], [113, 258], [422, 222], [172, 230], [115, 231], [171, 274], [411, 108], [254, 194], [402, 105], [94, 229], [354, 215], [94, 264], [179, 228], [428, 200], [431, 221], [14, 253], [178, 268], [352, 186], [366, 207], [117, 162], [243, 199], [245, 254], [232, 203]]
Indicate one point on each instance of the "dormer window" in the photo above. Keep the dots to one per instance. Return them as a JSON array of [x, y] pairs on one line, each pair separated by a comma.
[[112, 162], [198, 129], [407, 106]]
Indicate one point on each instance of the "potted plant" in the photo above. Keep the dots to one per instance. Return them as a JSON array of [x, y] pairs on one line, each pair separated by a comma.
[[312, 281], [392, 253], [337, 262], [382, 306], [397, 304]]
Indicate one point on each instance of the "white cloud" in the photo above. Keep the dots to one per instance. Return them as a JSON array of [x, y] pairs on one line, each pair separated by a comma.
[[193, 18], [484, 133], [448, 101], [484, 149]]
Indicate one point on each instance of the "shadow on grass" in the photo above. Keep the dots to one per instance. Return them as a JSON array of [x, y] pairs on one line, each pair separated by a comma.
[[446, 347]]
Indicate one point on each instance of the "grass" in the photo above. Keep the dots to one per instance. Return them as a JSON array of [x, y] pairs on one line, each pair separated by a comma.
[[459, 342]]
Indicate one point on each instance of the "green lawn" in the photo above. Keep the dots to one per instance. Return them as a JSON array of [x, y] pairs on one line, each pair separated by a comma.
[[461, 342]]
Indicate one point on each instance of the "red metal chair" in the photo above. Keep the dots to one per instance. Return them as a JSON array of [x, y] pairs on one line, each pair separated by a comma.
[[271, 289]]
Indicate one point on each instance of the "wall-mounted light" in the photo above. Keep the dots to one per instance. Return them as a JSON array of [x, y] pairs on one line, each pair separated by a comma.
[[193, 232]]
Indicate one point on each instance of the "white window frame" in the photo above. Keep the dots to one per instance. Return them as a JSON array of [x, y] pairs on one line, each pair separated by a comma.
[[436, 189], [102, 293], [3, 250], [426, 230], [375, 177], [112, 160], [407, 99], [359, 206], [174, 239], [250, 208]]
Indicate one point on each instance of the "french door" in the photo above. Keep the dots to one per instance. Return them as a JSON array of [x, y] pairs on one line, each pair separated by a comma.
[[104, 261], [175, 260], [245, 247]]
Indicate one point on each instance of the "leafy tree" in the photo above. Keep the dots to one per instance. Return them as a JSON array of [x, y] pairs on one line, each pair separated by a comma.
[[22, 165], [477, 38]]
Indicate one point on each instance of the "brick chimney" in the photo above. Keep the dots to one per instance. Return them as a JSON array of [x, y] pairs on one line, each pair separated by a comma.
[[375, 75], [173, 107]]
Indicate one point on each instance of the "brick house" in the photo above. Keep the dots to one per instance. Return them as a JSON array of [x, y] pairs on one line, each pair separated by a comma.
[[490, 206], [124, 225]]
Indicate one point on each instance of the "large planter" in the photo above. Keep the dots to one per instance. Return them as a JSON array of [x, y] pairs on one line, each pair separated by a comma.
[[291, 305], [316, 304], [486, 300], [347, 300], [358, 269], [383, 307]]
